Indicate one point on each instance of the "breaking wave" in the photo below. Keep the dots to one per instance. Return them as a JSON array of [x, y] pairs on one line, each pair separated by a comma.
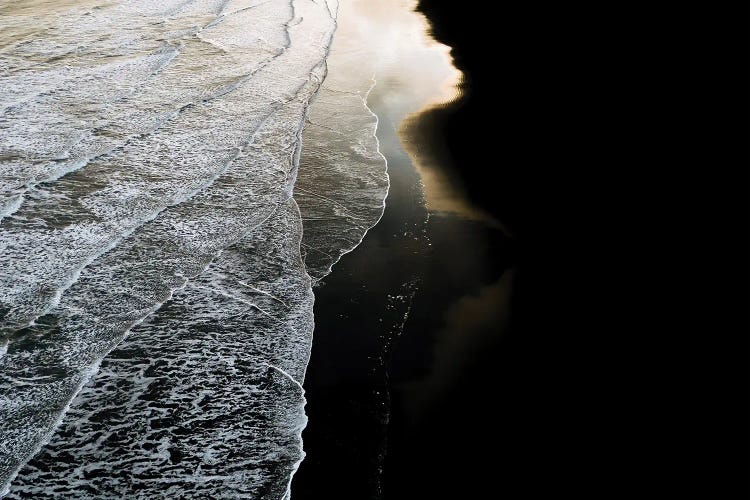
[[162, 228]]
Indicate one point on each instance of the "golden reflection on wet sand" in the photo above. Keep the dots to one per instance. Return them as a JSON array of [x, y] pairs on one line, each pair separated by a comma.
[[416, 75], [420, 76]]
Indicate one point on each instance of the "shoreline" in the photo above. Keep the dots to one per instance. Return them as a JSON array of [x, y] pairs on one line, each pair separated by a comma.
[[368, 359], [386, 316], [359, 310]]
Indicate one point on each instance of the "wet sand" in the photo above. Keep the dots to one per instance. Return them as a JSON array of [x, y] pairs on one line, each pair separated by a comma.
[[407, 322], [399, 326]]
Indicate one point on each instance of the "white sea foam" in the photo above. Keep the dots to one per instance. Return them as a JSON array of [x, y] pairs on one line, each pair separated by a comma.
[[157, 228], [164, 162]]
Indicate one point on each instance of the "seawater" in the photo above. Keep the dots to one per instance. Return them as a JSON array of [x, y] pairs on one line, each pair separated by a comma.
[[168, 199]]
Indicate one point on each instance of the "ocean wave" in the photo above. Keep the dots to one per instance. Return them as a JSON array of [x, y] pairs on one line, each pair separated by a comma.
[[157, 302]]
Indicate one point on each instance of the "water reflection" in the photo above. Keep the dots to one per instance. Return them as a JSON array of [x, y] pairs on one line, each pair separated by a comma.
[[415, 73], [418, 70], [388, 42], [470, 325]]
